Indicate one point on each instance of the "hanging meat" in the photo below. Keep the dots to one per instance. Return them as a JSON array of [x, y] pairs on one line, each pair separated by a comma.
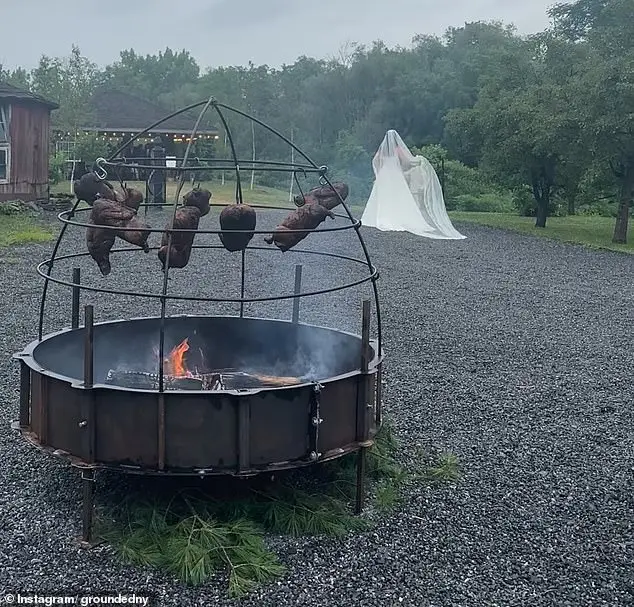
[[237, 217], [100, 243], [198, 198], [132, 198], [307, 217], [115, 215], [89, 187], [325, 196], [196, 205]]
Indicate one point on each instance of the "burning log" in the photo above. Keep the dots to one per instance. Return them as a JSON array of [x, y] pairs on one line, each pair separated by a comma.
[[307, 217], [237, 217], [234, 380], [325, 196]]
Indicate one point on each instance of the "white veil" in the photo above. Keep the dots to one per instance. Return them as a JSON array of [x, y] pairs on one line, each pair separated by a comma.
[[407, 195]]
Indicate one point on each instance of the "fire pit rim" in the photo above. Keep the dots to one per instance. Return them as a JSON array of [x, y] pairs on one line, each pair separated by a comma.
[[26, 355]]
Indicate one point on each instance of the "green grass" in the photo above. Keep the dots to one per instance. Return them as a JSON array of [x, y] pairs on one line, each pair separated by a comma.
[[591, 231], [221, 193], [22, 229]]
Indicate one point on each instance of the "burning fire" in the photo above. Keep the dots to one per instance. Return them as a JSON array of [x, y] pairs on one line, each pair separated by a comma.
[[174, 364]]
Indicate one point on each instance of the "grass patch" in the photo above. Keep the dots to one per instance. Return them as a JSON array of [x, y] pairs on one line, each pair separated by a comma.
[[226, 194], [221, 193], [195, 533], [21, 227], [591, 231]]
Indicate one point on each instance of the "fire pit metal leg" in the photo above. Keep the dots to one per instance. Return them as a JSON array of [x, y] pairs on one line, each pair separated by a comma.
[[362, 407], [25, 394], [360, 493], [88, 404], [88, 502], [161, 431]]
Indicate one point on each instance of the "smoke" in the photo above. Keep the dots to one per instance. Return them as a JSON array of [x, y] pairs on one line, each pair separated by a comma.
[[308, 353]]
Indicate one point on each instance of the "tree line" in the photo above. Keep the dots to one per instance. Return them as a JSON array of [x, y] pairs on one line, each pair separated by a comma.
[[540, 124]]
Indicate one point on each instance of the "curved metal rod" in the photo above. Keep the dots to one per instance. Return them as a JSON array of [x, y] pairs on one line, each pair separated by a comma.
[[349, 285], [362, 262], [123, 146], [271, 129], [128, 162], [248, 165], [188, 231], [239, 199], [166, 267], [355, 224], [357, 229], [233, 153], [40, 325]]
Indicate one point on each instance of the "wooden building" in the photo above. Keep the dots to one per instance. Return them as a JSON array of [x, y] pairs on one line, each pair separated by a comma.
[[24, 144]]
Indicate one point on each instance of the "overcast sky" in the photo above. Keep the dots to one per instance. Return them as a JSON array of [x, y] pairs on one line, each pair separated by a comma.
[[234, 32]]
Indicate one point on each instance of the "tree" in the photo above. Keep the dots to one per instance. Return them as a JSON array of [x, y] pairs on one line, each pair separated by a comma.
[[521, 124], [604, 92], [70, 82]]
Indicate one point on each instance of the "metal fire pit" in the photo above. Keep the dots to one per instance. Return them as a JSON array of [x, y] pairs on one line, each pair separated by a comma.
[[258, 395]]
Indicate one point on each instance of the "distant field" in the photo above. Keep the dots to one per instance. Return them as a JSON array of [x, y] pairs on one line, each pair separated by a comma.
[[259, 195], [590, 231], [226, 193]]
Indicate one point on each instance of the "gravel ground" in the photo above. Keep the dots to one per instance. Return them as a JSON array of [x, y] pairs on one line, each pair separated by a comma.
[[514, 353]]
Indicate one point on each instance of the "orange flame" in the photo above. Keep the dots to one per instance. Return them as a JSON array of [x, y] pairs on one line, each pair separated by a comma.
[[175, 362]]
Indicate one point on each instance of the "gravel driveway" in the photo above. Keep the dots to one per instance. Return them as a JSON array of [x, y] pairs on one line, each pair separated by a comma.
[[514, 353]]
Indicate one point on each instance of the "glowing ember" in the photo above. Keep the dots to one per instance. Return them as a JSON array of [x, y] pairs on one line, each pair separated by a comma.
[[174, 365]]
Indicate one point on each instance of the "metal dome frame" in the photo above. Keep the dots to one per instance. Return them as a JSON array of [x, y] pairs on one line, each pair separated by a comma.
[[117, 162]]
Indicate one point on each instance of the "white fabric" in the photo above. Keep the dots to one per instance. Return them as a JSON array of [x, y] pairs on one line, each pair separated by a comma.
[[407, 195]]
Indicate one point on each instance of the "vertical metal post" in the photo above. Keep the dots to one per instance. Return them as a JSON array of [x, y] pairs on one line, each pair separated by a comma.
[[242, 283], [379, 395], [88, 424], [362, 407], [88, 500], [244, 435], [88, 405], [298, 290], [89, 339], [25, 394], [76, 291], [161, 430]]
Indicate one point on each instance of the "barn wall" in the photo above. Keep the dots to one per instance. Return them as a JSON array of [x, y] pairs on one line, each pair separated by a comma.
[[29, 129]]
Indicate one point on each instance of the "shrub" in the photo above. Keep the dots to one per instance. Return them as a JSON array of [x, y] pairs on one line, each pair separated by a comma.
[[484, 203], [57, 168]]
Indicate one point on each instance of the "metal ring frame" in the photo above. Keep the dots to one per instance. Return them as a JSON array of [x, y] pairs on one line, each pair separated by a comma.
[[116, 162]]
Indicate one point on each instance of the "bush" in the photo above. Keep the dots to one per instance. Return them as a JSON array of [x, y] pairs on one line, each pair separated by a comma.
[[484, 203], [599, 208], [466, 188], [57, 168]]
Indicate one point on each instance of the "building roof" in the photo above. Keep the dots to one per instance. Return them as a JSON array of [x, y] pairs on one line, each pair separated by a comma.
[[116, 111], [8, 91]]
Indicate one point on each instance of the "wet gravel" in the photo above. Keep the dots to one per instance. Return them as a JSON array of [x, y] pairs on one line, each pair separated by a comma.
[[514, 353]]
